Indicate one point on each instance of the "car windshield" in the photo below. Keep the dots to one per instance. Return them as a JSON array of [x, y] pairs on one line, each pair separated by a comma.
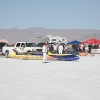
[[30, 45]]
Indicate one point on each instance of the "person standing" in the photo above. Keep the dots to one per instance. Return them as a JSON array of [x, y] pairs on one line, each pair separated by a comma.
[[44, 50], [60, 49], [55, 48]]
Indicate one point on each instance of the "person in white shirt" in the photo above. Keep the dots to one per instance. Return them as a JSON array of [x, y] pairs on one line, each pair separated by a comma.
[[60, 49], [55, 48], [44, 50]]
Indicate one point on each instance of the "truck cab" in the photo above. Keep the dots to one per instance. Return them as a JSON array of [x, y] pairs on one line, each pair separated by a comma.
[[27, 47]]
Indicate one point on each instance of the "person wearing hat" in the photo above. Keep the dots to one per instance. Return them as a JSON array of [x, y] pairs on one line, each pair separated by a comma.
[[44, 50]]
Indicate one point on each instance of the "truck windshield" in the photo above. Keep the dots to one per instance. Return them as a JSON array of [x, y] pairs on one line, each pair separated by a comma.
[[30, 45]]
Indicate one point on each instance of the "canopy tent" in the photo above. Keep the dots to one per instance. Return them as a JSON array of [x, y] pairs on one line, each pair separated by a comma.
[[4, 40], [91, 41], [74, 42]]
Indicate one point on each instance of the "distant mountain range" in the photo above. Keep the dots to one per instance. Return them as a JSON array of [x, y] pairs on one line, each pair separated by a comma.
[[34, 34]]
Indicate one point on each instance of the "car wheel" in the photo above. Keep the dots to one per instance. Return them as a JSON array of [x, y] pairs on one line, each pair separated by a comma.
[[6, 54]]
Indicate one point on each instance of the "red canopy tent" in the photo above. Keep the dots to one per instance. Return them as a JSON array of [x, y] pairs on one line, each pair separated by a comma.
[[91, 41]]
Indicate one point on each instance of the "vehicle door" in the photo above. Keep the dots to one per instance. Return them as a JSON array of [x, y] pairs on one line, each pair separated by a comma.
[[20, 47], [28, 47]]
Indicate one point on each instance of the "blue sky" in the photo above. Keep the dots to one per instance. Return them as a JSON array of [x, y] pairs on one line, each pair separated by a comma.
[[50, 14]]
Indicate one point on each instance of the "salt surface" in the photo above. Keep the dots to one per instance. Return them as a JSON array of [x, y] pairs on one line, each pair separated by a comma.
[[55, 80]]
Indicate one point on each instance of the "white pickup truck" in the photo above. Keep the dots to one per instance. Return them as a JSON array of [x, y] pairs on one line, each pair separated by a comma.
[[21, 47]]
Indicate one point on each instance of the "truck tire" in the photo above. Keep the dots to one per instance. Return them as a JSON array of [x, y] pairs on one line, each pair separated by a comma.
[[6, 54], [28, 51]]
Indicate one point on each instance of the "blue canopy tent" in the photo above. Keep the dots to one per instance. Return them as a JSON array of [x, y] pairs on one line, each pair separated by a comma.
[[75, 50], [74, 42]]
